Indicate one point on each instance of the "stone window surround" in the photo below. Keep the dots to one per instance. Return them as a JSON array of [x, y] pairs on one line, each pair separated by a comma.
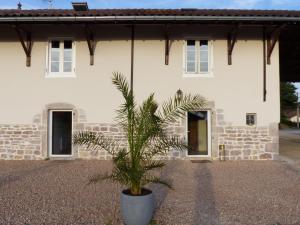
[[45, 125]]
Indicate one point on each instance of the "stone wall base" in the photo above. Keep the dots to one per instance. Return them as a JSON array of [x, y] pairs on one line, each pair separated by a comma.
[[20, 142], [29, 142], [248, 143]]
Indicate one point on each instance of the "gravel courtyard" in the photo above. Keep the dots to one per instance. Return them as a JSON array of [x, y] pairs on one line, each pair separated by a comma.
[[56, 192]]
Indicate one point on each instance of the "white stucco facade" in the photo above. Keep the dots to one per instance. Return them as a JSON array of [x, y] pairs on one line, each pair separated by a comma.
[[234, 89]]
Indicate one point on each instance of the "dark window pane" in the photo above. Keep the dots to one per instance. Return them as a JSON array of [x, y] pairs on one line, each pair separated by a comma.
[[204, 45], [190, 42], [67, 44], [55, 44], [250, 119], [203, 42]]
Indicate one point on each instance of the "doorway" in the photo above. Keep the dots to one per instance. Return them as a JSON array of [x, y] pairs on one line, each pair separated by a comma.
[[60, 133], [199, 133]]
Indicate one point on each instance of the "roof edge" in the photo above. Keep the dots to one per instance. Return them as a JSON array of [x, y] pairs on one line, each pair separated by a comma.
[[148, 18]]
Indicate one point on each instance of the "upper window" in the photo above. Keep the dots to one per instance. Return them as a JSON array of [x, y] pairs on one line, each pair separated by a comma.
[[61, 58], [197, 57]]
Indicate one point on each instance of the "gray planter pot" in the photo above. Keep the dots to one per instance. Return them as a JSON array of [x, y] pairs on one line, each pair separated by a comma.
[[137, 210]]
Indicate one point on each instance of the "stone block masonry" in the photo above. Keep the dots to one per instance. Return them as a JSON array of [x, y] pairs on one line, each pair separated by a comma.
[[109, 130], [20, 142], [30, 141], [24, 142], [246, 143]]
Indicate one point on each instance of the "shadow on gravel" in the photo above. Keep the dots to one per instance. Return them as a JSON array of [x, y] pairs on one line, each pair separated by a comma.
[[19, 175], [202, 207], [205, 211], [160, 191]]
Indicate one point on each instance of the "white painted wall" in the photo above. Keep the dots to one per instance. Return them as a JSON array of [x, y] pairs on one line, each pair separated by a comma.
[[237, 89]]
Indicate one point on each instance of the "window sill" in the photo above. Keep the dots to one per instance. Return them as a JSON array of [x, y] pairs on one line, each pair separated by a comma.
[[200, 75], [60, 75]]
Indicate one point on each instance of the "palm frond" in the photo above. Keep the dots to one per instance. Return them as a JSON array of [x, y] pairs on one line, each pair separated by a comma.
[[147, 123], [125, 114], [162, 145], [145, 128], [95, 141], [154, 165], [121, 83], [171, 142], [176, 107], [156, 180]]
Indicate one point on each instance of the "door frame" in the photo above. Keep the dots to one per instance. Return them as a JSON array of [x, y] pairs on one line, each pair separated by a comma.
[[50, 125], [209, 136]]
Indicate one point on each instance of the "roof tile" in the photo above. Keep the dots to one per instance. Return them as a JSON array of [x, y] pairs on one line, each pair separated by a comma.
[[147, 12]]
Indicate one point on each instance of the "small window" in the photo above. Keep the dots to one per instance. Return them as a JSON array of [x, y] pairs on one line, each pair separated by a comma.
[[197, 57], [61, 58], [251, 119]]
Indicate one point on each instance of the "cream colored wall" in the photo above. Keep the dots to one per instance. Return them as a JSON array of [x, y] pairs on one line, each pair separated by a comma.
[[237, 89]]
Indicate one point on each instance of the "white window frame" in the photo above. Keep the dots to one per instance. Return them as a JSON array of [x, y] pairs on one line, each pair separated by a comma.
[[209, 134], [208, 74], [60, 74]]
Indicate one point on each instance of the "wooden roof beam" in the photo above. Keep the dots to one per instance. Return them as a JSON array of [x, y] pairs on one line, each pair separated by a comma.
[[91, 43], [272, 39], [231, 40], [26, 42], [167, 45]]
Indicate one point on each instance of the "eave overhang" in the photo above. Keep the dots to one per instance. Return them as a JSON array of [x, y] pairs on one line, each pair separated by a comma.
[[151, 19]]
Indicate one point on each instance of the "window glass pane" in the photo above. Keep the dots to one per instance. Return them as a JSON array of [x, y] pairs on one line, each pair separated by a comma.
[[191, 48], [191, 56], [190, 42], [54, 67], [203, 56], [67, 66], [203, 67], [54, 44], [67, 55], [191, 45], [203, 45], [190, 67], [67, 44], [55, 55]]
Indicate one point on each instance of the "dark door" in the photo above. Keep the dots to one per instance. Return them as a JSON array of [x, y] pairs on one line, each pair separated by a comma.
[[61, 133], [198, 133]]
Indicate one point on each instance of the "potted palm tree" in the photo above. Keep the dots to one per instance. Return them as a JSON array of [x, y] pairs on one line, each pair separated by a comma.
[[145, 129]]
